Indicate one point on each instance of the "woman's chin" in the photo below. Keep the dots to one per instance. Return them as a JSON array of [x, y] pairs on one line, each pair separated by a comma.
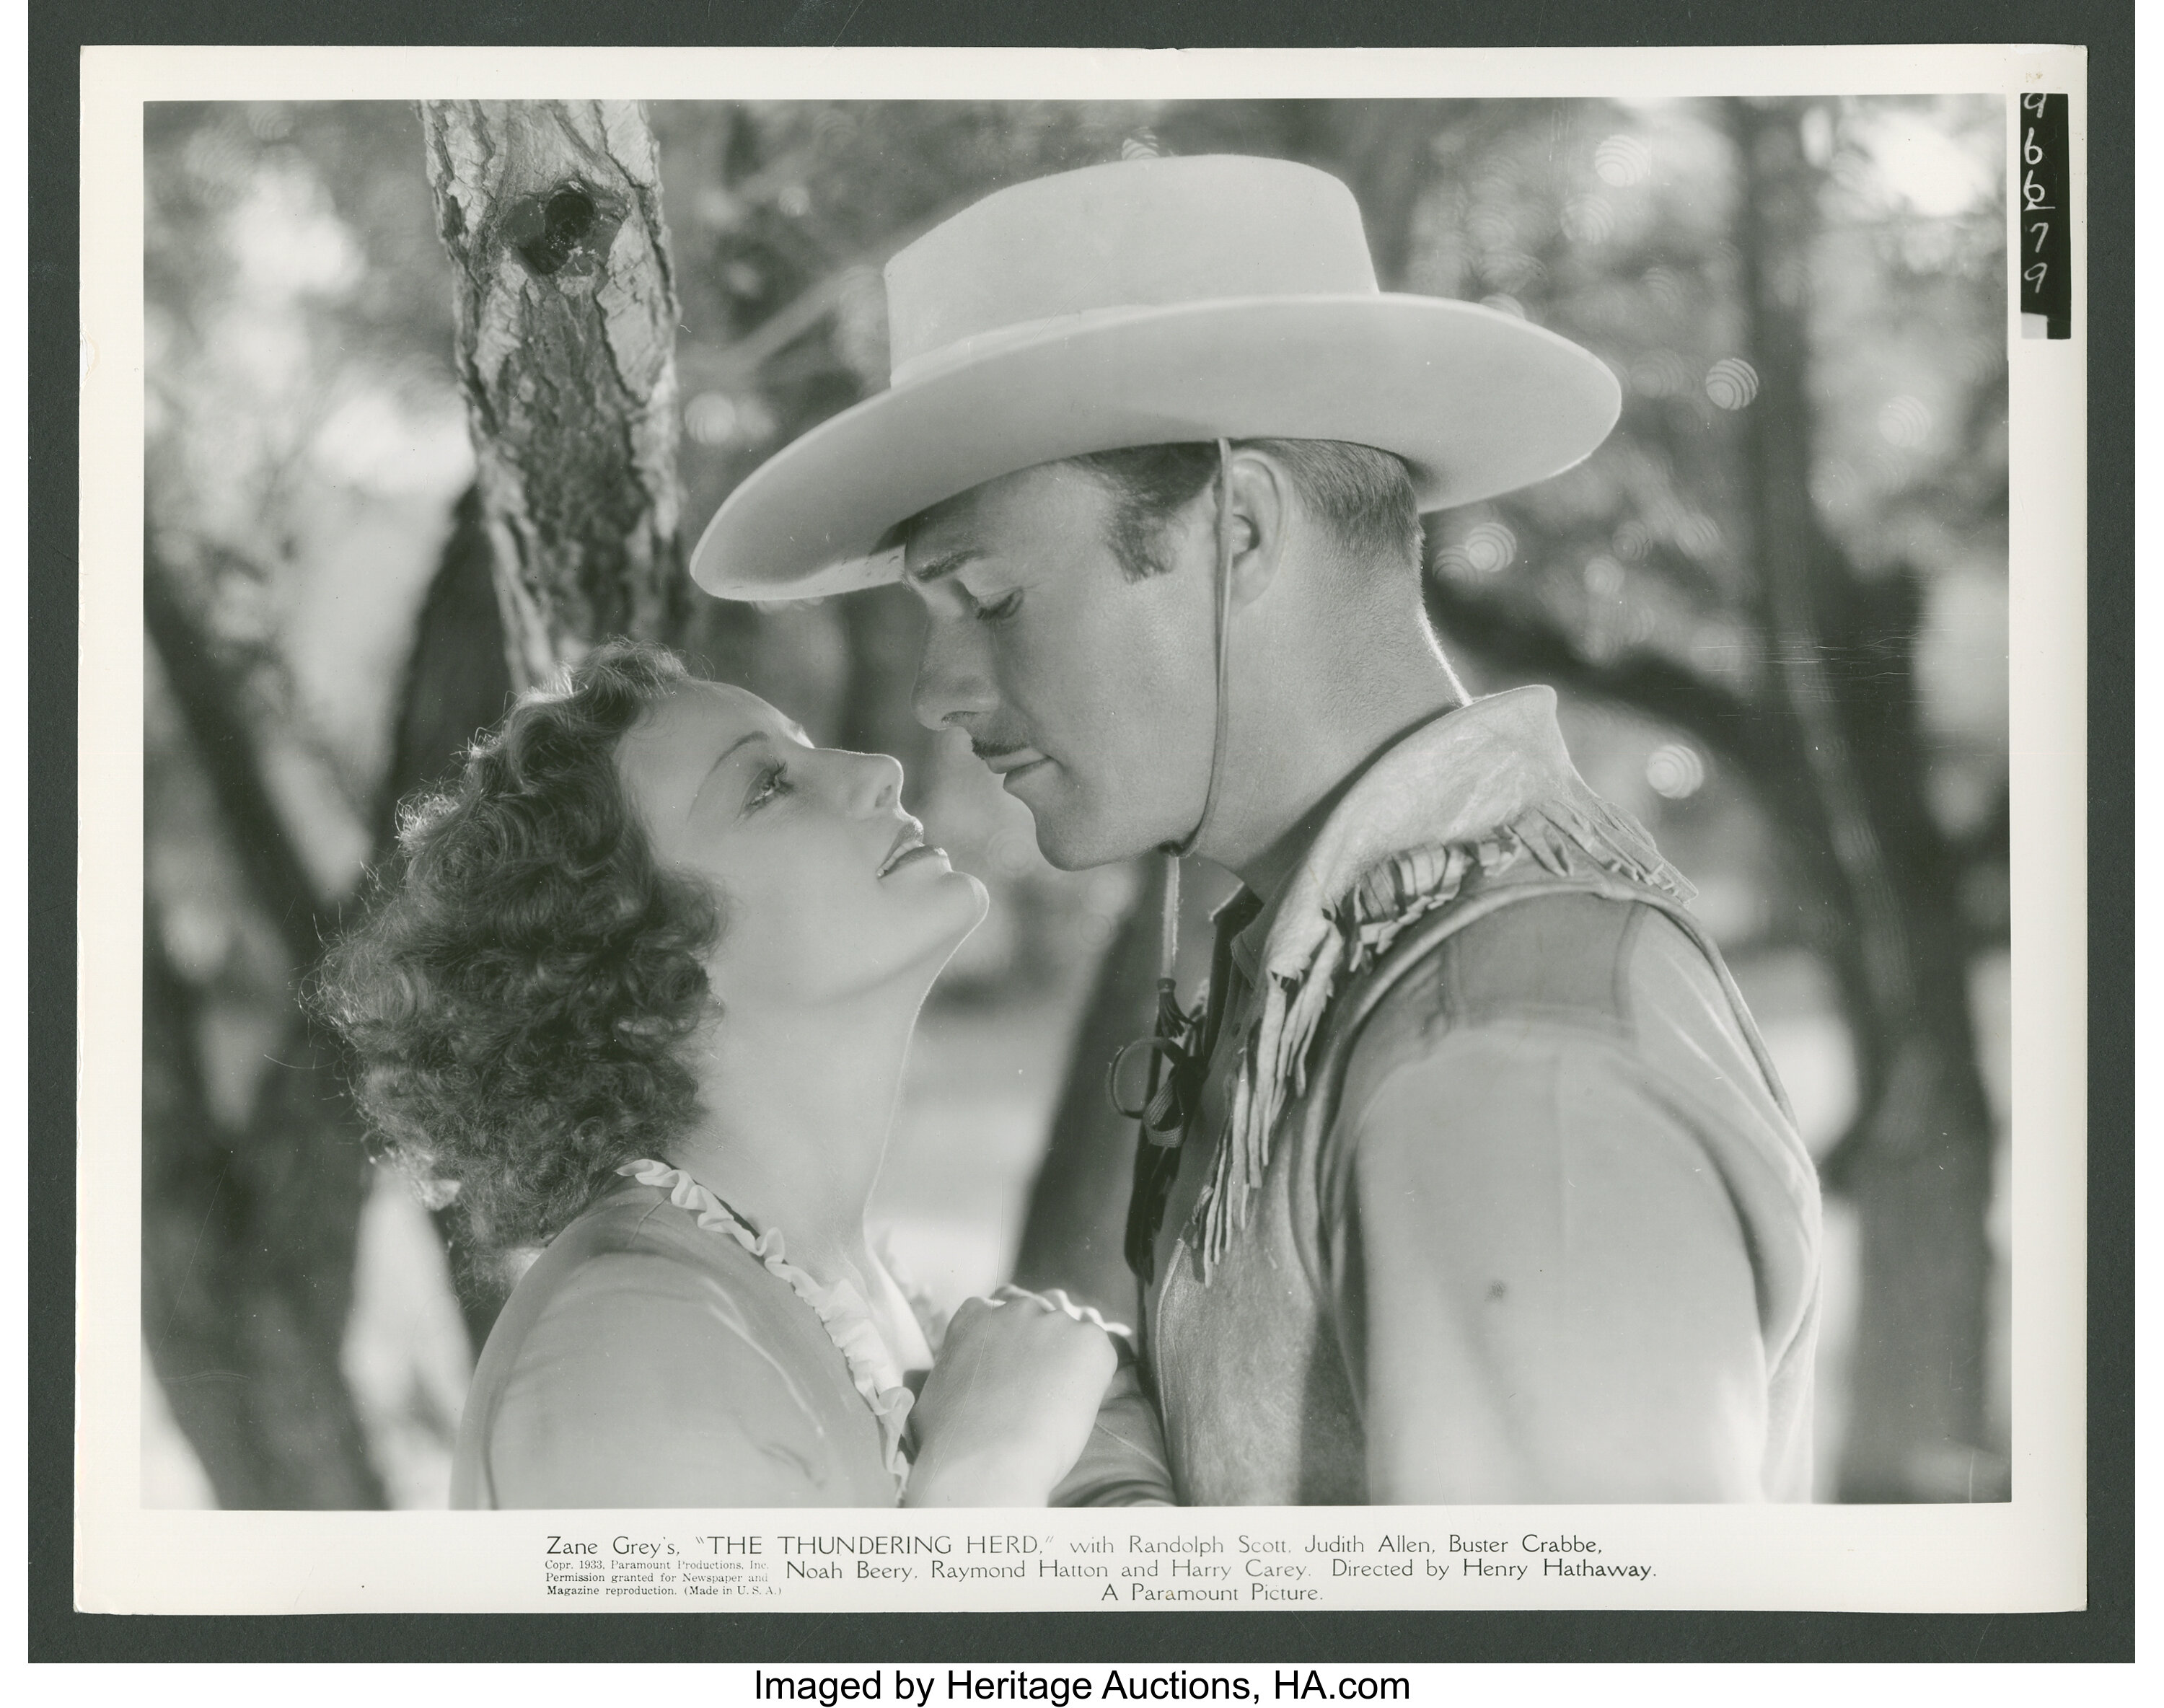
[[961, 902], [971, 901], [960, 897]]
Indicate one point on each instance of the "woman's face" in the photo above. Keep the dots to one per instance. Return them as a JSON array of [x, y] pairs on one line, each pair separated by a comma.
[[826, 887]]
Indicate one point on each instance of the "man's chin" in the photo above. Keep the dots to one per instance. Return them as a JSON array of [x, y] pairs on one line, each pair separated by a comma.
[[1071, 843]]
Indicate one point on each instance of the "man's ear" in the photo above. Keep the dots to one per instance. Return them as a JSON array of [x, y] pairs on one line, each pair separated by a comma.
[[1262, 512]]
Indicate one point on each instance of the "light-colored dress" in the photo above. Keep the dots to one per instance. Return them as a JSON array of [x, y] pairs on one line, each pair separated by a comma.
[[662, 1352]]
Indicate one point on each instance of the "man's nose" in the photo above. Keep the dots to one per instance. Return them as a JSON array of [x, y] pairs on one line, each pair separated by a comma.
[[951, 679]]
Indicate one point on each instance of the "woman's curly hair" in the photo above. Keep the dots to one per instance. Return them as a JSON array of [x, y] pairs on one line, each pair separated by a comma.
[[514, 997]]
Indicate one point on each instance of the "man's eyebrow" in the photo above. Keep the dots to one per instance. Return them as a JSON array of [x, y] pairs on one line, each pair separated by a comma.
[[941, 567]]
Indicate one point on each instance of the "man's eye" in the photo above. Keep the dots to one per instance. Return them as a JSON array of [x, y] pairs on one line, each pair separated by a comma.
[[1000, 609], [771, 782]]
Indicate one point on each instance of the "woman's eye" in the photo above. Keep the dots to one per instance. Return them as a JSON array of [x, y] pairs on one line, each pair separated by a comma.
[[1000, 609], [772, 780]]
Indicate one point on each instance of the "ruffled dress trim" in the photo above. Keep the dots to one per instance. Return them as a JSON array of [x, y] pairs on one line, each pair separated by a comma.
[[842, 1311]]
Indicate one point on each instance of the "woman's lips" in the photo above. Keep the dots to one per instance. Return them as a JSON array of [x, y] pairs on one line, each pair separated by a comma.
[[909, 847], [906, 840], [911, 856]]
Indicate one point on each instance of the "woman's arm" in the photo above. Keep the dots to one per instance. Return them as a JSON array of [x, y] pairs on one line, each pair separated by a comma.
[[1010, 1406], [1124, 1464]]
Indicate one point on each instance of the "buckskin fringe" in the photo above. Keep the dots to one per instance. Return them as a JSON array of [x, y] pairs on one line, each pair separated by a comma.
[[1566, 834]]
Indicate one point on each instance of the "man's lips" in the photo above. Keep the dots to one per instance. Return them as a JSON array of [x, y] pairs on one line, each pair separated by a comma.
[[1009, 762]]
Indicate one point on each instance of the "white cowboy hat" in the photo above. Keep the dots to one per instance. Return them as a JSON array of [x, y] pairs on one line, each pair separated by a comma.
[[1151, 301]]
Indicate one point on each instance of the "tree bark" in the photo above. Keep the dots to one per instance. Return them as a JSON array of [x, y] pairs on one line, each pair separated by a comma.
[[550, 213]]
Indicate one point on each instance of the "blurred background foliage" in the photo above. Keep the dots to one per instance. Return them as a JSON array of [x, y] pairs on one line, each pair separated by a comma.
[[1796, 541]]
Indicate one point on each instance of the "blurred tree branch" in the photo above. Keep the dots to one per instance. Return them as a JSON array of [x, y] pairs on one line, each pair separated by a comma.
[[738, 365], [1987, 839], [208, 700], [1521, 642]]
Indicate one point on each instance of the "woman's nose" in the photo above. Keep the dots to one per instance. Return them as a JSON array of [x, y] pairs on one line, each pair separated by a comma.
[[877, 782]]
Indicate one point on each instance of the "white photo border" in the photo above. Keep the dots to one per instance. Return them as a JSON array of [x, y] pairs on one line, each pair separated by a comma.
[[2026, 1554]]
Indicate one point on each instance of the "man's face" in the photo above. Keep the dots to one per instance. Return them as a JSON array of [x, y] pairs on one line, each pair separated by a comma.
[[1090, 694]]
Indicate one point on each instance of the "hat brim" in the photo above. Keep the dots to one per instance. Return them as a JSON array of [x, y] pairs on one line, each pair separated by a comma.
[[1479, 402]]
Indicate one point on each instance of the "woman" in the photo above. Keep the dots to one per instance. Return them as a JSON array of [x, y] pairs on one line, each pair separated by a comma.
[[641, 992]]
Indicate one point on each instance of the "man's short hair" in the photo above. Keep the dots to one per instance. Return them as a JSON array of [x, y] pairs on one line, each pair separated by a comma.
[[1362, 497]]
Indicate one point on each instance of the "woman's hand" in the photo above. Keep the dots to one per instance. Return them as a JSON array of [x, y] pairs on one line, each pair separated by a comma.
[[1009, 1405]]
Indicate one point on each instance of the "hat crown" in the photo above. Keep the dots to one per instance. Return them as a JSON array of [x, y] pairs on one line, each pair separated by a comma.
[[1133, 234]]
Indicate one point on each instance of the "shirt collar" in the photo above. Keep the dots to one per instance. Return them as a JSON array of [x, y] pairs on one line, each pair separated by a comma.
[[1461, 774]]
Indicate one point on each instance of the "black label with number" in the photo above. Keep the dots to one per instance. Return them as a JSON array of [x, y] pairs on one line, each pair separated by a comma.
[[2045, 264]]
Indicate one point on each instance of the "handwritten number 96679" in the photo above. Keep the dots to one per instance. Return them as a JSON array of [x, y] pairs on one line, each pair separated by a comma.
[[2035, 194]]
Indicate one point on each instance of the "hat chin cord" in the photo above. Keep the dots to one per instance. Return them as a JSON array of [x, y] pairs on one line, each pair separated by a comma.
[[1172, 1090], [1174, 852]]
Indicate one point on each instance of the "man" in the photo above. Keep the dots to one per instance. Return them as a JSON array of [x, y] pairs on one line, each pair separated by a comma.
[[1473, 1183]]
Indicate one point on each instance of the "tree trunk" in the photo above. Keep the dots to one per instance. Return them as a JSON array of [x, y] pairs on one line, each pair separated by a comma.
[[882, 628], [1917, 1161], [1383, 150], [550, 213], [248, 1251], [1074, 1233], [456, 684], [249, 1235]]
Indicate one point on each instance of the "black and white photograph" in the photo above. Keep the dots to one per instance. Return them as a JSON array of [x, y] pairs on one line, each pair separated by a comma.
[[1197, 802]]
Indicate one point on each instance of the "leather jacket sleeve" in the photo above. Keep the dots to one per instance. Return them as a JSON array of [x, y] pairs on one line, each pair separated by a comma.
[[1575, 1248]]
